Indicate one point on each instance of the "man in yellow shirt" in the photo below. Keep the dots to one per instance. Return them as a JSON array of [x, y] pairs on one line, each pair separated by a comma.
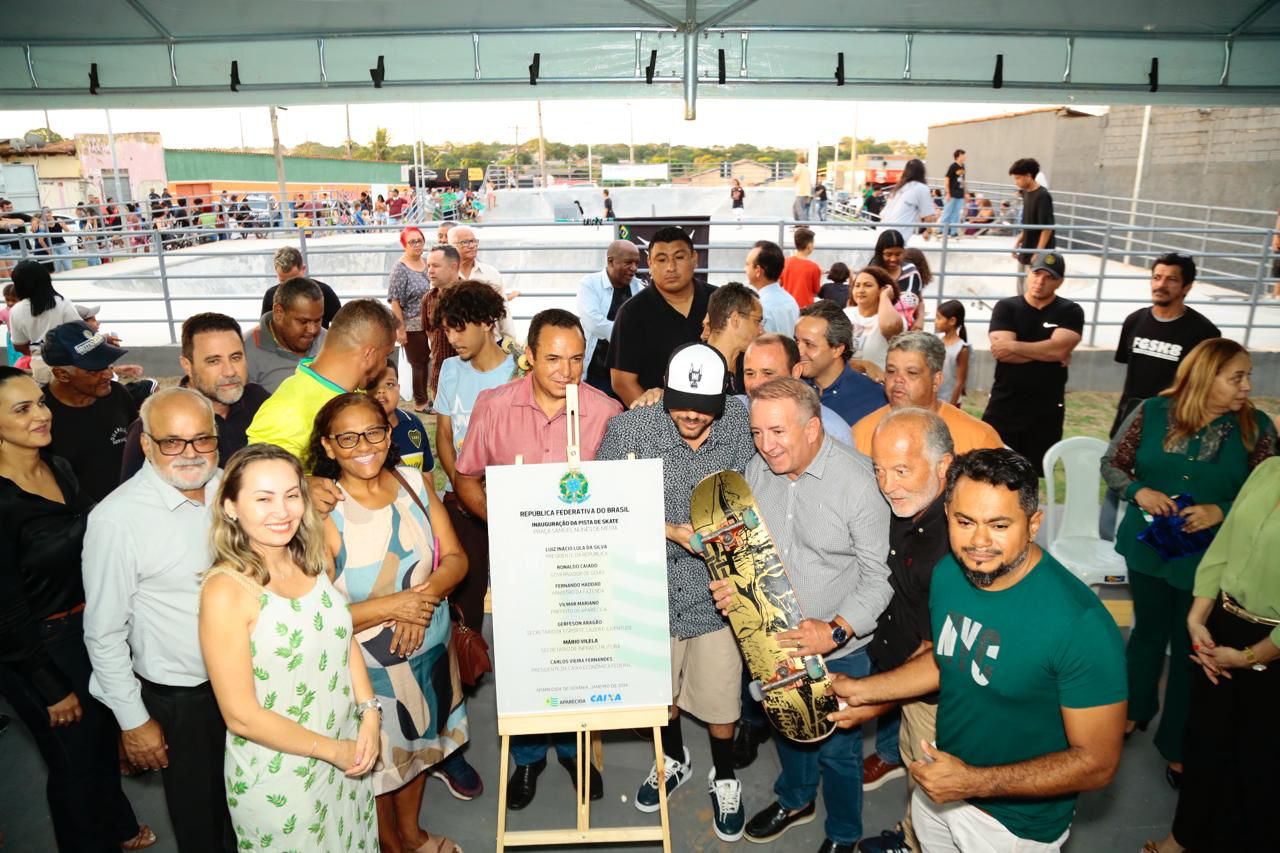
[[354, 354], [912, 377]]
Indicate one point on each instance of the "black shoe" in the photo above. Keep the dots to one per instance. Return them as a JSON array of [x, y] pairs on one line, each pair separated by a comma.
[[597, 783], [524, 784], [774, 820], [1137, 727], [746, 745], [829, 846]]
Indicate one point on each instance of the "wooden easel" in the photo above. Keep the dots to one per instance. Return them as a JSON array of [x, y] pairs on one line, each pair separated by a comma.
[[584, 726]]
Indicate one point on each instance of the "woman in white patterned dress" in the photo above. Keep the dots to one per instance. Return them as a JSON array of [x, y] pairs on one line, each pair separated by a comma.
[[302, 722]]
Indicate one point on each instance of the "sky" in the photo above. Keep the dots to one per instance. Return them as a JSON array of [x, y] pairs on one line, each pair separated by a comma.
[[789, 124]]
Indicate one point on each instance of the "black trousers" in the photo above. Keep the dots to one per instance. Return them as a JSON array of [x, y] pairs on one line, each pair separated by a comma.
[[418, 350], [194, 789], [473, 535], [1231, 752], [1030, 437], [89, 809]]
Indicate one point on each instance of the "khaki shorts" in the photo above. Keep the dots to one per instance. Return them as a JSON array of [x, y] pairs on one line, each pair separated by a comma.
[[706, 676]]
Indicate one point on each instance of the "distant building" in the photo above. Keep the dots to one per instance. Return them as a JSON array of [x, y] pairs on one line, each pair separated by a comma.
[[73, 170], [1221, 157], [205, 173], [749, 172]]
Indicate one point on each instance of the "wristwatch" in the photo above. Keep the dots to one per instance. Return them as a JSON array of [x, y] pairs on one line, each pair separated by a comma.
[[839, 635], [1254, 664], [368, 704]]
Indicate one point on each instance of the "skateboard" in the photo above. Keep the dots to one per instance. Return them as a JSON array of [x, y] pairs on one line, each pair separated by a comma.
[[735, 543]]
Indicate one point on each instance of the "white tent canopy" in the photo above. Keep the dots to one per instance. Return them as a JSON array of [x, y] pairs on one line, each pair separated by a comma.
[[157, 53]]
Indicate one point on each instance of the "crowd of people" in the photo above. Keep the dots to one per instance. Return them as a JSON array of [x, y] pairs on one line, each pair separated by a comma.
[[250, 583], [97, 231]]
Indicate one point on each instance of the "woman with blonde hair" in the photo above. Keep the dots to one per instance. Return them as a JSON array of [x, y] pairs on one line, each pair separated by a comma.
[[288, 674], [1185, 453]]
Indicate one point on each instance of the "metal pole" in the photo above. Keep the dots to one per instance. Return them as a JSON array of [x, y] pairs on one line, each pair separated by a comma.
[[632, 119], [1264, 262], [115, 164], [942, 270], [690, 75], [347, 107], [1137, 179], [1102, 274], [589, 178], [302, 247], [279, 158], [542, 148], [158, 239]]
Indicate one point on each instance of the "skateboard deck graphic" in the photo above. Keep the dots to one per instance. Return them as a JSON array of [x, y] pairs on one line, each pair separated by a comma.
[[732, 538]]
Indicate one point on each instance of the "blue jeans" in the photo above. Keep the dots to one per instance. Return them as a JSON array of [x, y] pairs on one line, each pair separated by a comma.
[[837, 760], [530, 749], [800, 208], [952, 213], [887, 737], [62, 257]]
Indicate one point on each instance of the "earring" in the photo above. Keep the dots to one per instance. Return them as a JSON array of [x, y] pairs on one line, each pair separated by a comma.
[[233, 517]]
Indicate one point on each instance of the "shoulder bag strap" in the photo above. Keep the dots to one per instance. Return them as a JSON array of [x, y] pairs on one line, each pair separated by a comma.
[[413, 493]]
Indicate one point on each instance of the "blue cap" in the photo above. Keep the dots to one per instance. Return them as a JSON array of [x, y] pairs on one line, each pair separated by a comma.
[[76, 345]]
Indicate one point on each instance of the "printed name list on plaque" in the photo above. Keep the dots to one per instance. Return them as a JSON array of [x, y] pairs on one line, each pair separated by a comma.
[[578, 567]]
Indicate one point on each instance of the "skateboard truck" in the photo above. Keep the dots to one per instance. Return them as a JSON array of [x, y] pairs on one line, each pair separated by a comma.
[[813, 670], [727, 535]]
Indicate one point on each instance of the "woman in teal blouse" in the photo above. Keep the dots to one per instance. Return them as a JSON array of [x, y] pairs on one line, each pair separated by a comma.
[[1201, 438]]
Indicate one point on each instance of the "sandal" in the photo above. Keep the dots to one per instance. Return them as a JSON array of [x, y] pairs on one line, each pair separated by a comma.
[[437, 844], [144, 839]]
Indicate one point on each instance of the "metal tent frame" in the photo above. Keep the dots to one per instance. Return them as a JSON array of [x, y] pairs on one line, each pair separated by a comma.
[[141, 53]]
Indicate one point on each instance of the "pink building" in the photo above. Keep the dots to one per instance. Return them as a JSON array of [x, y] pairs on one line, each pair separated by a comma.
[[139, 156]]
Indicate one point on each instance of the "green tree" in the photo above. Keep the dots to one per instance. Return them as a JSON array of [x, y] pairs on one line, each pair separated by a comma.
[[381, 144], [45, 134]]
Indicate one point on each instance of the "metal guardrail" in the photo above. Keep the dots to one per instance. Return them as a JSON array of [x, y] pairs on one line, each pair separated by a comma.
[[1142, 227], [1246, 246]]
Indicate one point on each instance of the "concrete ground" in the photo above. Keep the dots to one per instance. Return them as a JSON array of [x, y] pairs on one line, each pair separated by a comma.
[[1138, 805]]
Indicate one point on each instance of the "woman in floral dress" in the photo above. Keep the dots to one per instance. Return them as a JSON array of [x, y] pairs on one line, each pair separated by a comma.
[[302, 722], [396, 558]]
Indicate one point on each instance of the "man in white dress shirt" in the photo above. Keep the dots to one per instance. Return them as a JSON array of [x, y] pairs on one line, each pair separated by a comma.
[[145, 549], [763, 268], [600, 295]]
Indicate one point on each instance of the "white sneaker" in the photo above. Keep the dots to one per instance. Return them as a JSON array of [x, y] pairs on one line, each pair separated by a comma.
[[726, 806], [674, 774]]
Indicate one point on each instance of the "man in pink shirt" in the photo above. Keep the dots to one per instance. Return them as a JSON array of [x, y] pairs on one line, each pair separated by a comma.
[[527, 418]]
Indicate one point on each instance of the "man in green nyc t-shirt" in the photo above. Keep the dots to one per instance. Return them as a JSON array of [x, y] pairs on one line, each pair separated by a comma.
[[1030, 672]]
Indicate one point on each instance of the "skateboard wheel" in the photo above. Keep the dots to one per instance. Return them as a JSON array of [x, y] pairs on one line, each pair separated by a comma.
[[749, 519], [696, 543], [756, 691], [814, 668]]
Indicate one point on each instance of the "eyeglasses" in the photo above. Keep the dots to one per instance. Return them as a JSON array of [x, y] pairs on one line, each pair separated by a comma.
[[468, 243], [415, 242], [178, 446], [348, 440]]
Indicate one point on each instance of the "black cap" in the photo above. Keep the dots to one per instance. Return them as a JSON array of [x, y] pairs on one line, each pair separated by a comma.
[[76, 345], [1050, 261]]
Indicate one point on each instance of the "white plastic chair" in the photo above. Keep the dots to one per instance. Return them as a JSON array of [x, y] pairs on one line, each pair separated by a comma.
[[1072, 533]]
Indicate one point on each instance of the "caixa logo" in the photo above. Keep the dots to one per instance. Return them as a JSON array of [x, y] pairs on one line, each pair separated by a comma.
[[605, 698]]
